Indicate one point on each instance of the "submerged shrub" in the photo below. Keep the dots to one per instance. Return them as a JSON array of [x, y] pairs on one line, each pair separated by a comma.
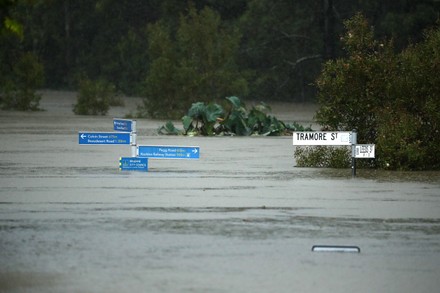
[[19, 88], [96, 97], [323, 156]]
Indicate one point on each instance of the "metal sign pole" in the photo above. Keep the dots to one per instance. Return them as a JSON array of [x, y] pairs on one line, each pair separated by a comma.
[[353, 153], [133, 141]]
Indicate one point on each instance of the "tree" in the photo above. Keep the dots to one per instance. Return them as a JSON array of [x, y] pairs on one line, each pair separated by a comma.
[[351, 89], [95, 97], [196, 62], [21, 72], [409, 124], [9, 25], [282, 45], [392, 99], [282, 48]]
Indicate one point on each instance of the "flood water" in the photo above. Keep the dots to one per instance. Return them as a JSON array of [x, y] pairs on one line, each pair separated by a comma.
[[242, 218]]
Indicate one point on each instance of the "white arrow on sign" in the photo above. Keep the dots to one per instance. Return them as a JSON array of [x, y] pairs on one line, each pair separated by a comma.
[[82, 136], [194, 151]]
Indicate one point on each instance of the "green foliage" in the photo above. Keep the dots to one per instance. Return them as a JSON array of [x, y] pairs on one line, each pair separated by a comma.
[[392, 99], [95, 97], [132, 57], [399, 144], [237, 118], [169, 129], [197, 63], [202, 118], [19, 87], [351, 89], [280, 53], [323, 156], [13, 26], [410, 124], [212, 119], [277, 36]]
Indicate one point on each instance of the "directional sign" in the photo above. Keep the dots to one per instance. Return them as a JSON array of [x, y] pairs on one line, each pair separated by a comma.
[[123, 125], [104, 138], [365, 151], [322, 138], [169, 152], [133, 164]]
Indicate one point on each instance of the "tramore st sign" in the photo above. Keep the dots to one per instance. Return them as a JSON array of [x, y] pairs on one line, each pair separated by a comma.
[[322, 138]]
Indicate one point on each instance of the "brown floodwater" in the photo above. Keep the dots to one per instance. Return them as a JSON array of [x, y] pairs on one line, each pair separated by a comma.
[[242, 218]]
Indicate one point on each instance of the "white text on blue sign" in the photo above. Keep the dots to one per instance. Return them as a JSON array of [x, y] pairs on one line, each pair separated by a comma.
[[133, 164], [123, 125], [169, 152], [104, 138]]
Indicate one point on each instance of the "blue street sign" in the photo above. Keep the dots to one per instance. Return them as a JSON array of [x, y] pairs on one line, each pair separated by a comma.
[[133, 164], [123, 125], [104, 138], [169, 152]]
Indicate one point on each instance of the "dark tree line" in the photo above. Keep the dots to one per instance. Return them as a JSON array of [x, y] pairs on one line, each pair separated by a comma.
[[282, 44]]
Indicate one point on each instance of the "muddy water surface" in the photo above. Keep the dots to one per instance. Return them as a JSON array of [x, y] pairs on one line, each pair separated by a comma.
[[240, 219]]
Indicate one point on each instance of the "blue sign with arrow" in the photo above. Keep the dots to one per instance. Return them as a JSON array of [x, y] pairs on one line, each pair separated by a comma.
[[133, 164], [123, 125], [169, 152], [104, 138]]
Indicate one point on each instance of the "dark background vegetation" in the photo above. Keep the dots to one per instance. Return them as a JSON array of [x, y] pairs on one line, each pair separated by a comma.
[[372, 65], [281, 44]]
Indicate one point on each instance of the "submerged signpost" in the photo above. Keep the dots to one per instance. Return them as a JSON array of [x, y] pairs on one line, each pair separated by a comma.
[[336, 138], [169, 152], [365, 151], [104, 138], [124, 125], [125, 134], [133, 164], [322, 138]]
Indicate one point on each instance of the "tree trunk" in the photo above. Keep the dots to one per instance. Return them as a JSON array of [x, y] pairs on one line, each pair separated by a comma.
[[329, 30], [67, 40]]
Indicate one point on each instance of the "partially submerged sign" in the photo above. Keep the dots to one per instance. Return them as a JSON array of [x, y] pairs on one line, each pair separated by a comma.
[[365, 151], [133, 164], [339, 138], [169, 152], [104, 138], [335, 248], [322, 138], [124, 125]]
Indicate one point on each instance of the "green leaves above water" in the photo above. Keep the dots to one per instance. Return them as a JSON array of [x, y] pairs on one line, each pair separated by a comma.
[[231, 119]]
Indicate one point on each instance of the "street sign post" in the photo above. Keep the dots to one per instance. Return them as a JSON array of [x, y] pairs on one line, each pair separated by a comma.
[[341, 138], [104, 138], [169, 152], [133, 164], [365, 151], [124, 125], [125, 133], [322, 138]]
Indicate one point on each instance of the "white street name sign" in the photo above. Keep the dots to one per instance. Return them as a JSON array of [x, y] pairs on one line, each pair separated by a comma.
[[365, 151], [322, 138]]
